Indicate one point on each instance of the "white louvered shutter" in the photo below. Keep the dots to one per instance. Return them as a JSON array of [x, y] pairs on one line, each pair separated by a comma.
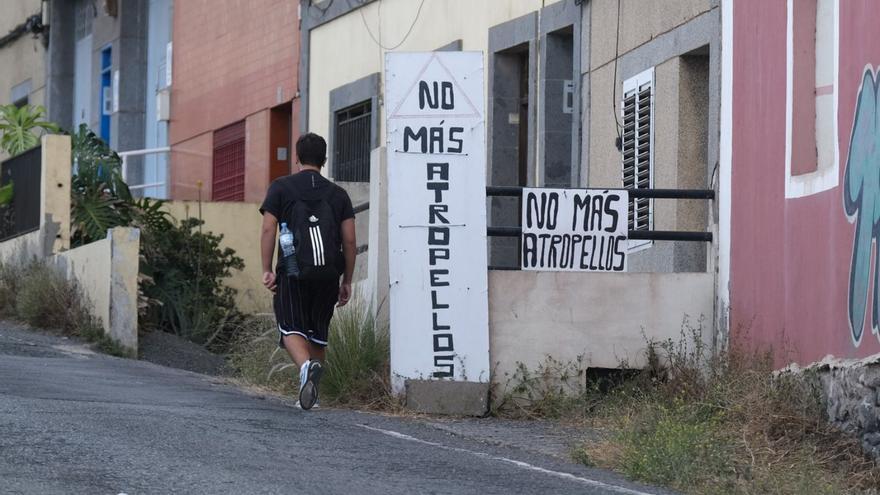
[[637, 147]]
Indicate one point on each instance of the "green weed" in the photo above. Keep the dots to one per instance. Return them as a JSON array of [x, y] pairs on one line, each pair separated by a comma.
[[357, 367], [699, 422]]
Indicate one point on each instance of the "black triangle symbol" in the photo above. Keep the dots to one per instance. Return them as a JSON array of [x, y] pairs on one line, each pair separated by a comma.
[[414, 87]]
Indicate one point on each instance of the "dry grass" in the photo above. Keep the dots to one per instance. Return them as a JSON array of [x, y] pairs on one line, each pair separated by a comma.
[[38, 295], [703, 425], [357, 367]]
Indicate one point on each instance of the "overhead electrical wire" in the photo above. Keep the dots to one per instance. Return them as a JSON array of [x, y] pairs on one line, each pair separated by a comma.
[[614, 91], [378, 40]]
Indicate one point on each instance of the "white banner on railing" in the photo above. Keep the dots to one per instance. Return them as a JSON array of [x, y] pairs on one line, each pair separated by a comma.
[[578, 230], [437, 216]]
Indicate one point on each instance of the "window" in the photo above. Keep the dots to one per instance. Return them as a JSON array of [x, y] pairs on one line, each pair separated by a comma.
[[352, 143], [20, 94], [228, 163], [107, 104], [637, 147], [811, 140]]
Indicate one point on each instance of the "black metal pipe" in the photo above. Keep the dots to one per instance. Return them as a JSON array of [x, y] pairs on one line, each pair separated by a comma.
[[504, 191], [669, 235], [503, 231], [361, 207], [504, 268]]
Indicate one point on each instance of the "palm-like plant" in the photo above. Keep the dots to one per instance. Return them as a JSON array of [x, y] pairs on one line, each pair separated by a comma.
[[100, 195], [20, 127]]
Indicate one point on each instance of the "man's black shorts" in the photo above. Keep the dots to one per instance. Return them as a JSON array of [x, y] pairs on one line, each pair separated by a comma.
[[305, 308]]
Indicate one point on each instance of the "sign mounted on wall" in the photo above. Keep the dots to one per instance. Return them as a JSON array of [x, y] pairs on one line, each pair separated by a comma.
[[577, 230], [437, 216]]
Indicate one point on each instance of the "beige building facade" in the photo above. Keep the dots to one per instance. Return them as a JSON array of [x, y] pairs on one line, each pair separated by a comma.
[[651, 102], [22, 53]]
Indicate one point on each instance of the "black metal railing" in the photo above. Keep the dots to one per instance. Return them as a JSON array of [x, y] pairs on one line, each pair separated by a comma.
[[22, 215], [648, 235], [353, 143]]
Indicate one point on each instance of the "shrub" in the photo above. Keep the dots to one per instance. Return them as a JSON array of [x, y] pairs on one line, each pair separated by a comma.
[[186, 268], [725, 423], [11, 276], [180, 284], [258, 360], [357, 368], [358, 357], [674, 445], [46, 299]]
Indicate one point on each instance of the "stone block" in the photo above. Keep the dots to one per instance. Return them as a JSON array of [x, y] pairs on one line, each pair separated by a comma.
[[870, 377], [447, 397]]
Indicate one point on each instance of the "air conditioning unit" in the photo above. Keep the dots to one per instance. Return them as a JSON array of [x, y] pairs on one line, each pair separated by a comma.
[[163, 105]]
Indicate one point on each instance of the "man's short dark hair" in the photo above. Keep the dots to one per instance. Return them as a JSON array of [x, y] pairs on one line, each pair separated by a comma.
[[311, 149]]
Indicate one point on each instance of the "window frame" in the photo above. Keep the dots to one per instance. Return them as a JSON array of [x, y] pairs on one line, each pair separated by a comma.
[[827, 175], [337, 141], [20, 94], [630, 85]]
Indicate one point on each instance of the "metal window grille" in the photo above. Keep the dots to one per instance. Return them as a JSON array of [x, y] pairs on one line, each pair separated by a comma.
[[637, 146], [353, 143], [23, 214], [228, 163], [84, 12]]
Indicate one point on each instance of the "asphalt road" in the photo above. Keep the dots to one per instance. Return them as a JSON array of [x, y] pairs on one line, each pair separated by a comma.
[[72, 421]]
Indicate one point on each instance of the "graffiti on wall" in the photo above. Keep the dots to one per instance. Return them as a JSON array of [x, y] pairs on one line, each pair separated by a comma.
[[861, 199]]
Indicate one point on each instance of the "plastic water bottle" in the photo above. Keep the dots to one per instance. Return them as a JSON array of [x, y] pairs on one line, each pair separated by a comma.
[[288, 251]]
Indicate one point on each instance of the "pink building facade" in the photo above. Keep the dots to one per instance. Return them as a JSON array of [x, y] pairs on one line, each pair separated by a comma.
[[803, 116]]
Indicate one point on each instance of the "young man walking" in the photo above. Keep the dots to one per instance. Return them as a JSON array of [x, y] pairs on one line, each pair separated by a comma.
[[319, 216]]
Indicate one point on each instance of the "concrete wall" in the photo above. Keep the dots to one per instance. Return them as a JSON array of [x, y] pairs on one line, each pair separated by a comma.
[[53, 234], [24, 247], [107, 273], [605, 318], [680, 39], [240, 224], [55, 190], [248, 66], [106, 270]]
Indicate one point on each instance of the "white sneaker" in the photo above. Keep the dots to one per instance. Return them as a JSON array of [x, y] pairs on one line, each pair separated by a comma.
[[303, 375], [316, 406], [308, 393]]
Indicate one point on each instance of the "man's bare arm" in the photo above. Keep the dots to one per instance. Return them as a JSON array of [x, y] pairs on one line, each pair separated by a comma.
[[267, 248], [349, 251]]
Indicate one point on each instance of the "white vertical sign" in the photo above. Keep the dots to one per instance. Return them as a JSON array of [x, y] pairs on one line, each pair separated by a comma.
[[437, 216]]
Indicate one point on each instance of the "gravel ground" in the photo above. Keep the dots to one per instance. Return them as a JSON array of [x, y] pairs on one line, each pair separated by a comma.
[[170, 350]]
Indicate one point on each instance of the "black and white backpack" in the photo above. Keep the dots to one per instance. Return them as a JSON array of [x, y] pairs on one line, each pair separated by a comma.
[[315, 233]]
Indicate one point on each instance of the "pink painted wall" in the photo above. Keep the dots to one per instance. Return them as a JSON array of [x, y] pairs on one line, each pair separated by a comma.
[[790, 258]]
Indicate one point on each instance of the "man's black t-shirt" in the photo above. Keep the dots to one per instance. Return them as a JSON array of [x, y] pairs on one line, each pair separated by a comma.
[[310, 185]]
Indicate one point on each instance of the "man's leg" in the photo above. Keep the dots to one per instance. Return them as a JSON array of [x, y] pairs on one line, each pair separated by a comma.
[[298, 348], [317, 352]]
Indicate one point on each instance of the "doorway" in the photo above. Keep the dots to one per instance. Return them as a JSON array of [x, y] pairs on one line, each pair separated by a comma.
[[280, 141]]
